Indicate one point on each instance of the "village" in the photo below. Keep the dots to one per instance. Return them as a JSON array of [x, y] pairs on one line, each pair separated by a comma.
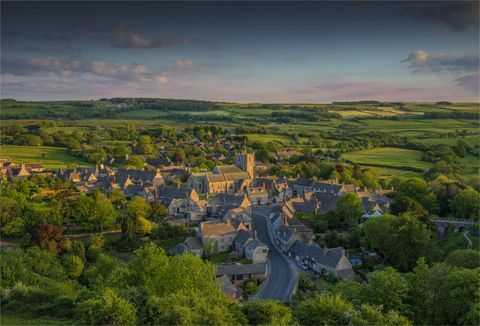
[[221, 207]]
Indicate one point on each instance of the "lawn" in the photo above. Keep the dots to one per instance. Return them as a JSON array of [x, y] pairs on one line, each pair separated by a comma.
[[17, 319], [50, 157], [389, 157]]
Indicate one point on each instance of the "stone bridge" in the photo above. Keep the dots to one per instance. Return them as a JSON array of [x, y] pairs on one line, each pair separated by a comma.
[[452, 225]]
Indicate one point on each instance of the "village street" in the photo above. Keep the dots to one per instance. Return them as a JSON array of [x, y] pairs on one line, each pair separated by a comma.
[[282, 271]]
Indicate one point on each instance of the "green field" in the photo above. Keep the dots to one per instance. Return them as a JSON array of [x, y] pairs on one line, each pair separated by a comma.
[[51, 157], [389, 157], [471, 140]]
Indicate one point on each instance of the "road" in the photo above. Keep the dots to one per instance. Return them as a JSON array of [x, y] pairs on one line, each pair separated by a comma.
[[282, 271]]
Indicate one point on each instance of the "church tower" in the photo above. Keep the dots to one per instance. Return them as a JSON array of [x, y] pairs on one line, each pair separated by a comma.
[[246, 162]]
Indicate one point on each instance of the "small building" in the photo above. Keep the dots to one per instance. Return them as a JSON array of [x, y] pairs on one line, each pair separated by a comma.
[[219, 235], [257, 251], [239, 273]]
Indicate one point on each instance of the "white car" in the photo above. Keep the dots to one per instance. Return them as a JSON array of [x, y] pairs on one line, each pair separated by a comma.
[[302, 265]]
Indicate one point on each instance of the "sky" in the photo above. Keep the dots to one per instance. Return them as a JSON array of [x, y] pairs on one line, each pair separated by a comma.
[[275, 52]]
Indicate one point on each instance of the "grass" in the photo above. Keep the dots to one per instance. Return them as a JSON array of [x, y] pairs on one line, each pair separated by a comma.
[[471, 166], [51, 157], [269, 138], [21, 319], [471, 140], [389, 157]]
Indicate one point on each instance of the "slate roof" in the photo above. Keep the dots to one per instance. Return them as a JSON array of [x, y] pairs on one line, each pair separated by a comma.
[[251, 246], [234, 269], [332, 188], [241, 238], [157, 162], [179, 249], [285, 233], [300, 248], [236, 176], [327, 201], [328, 257], [226, 285], [173, 192], [193, 243]]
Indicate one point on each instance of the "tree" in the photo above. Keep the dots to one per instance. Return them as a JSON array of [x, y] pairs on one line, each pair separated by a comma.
[[418, 190], [73, 265], [400, 239], [267, 312], [49, 237], [109, 309], [250, 287], [135, 213], [324, 309], [158, 212], [348, 210], [372, 315], [464, 258], [34, 140], [406, 204], [466, 204]]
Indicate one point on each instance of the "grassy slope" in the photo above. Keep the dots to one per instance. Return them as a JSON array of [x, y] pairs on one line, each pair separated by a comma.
[[389, 157], [51, 157]]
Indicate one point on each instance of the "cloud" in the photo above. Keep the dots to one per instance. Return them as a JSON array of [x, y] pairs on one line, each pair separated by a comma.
[[74, 67], [471, 83], [183, 63], [117, 36], [423, 62], [126, 36], [454, 16]]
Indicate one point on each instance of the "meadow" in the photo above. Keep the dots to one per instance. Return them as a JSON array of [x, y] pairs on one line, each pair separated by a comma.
[[51, 157], [397, 158]]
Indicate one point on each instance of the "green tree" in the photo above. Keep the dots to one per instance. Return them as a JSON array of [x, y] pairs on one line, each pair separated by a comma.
[[400, 239], [73, 265], [267, 312], [466, 204], [464, 258], [324, 309], [348, 210]]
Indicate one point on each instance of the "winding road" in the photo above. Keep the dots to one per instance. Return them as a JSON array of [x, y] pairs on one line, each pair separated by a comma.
[[282, 271]]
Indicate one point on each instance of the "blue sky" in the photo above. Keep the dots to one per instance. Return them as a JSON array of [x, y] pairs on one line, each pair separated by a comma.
[[241, 51]]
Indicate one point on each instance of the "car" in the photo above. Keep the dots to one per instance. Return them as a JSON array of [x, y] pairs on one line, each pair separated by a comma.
[[302, 265]]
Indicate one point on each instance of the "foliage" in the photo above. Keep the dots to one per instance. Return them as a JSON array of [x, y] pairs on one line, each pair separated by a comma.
[[400, 239], [267, 312]]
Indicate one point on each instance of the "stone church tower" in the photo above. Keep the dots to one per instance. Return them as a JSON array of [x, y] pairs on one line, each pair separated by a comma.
[[246, 162]]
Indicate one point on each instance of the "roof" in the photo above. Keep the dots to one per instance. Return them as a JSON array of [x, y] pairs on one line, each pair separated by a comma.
[[226, 285], [329, 257], [216, 229], [173, 192], [161, 161], [227, 169], [327, 201], [285, 233], [193, 243], [251, 246], [300, 248], [238, 269], [179, 249], [236, 176], [242, 238], [230, 200], [215, 177]]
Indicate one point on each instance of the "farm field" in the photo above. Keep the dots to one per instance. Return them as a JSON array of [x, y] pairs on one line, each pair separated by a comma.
[[471, 140], [51, 157], [389, 157]]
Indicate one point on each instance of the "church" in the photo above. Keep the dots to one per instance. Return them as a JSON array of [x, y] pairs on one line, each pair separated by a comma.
[[225, 178]]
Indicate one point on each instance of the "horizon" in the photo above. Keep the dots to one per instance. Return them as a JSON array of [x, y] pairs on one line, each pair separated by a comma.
[[267, 52]]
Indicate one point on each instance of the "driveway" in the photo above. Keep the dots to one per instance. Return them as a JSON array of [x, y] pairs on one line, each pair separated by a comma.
[[282, 272]]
